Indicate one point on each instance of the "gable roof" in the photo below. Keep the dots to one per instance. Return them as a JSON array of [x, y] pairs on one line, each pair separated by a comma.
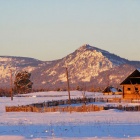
[[133, 78], [110, 89]]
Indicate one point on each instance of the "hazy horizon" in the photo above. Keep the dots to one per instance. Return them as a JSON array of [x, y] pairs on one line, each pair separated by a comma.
[[51, 29]]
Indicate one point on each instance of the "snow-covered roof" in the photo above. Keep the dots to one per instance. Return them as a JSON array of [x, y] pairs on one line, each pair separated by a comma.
[[113, 89], [138, 69], [110, 89]]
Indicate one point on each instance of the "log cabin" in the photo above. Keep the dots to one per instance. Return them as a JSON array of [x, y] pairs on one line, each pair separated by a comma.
[[131, 86]]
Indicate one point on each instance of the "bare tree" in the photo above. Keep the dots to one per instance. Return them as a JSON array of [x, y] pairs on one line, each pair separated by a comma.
[[83, 90]]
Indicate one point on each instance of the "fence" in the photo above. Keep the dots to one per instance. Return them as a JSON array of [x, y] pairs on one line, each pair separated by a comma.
[[123, 108], [82, 108], [54, 106], [75, 101]]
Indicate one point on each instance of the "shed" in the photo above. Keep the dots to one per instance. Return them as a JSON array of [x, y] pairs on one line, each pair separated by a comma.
[[111, 91]]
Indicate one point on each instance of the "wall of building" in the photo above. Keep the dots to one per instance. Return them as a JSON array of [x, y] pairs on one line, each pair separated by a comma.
[[131, 91]]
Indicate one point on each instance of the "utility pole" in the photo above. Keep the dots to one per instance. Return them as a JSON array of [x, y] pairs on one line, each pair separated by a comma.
[[11, 83], [108, 80], [108, 83], [68, 85]]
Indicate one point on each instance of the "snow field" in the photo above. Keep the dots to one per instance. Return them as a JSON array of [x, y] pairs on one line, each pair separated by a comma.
[[102, 125]]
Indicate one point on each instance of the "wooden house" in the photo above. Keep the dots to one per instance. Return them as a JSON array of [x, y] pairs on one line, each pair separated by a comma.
[[111, 91], [131, 86]]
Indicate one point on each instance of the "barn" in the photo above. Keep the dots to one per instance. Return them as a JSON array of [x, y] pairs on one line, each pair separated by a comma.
[[131, 86]]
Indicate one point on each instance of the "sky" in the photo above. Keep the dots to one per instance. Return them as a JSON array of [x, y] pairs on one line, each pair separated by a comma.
[[51, 29]]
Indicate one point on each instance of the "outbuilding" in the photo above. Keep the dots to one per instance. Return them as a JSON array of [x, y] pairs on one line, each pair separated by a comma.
[[110, 90]]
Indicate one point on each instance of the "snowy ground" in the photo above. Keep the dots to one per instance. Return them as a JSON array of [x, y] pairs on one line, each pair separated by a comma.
[[103, 125]]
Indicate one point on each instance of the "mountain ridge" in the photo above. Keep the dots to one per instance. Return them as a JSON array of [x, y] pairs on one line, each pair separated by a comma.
[[86, 65]]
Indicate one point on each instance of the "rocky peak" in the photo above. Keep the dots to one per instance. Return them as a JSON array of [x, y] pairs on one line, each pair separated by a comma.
[[91, 48], [86, 47], [84, 64]]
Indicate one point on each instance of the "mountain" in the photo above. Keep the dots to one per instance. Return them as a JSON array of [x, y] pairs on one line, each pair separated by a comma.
[[16, 64], [88, 65]]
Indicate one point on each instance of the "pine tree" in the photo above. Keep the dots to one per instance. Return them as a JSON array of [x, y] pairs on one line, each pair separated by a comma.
[[22, 82]]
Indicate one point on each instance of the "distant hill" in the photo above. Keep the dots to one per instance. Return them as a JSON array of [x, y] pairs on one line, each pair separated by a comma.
[[88, 65]]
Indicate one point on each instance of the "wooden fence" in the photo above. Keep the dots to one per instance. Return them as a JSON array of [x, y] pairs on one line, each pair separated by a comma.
[[82, 108], [55, 106], [123, 108], [75, 101]]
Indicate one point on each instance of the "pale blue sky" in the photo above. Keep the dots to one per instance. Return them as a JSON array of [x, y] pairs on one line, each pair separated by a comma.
[[51, 29]]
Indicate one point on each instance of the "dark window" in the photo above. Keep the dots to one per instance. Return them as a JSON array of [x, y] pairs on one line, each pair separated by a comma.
[[136, 89], [129, 89]]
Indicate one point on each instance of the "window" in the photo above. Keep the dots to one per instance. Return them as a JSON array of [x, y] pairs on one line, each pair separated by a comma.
[[128, 89], [136, 89]]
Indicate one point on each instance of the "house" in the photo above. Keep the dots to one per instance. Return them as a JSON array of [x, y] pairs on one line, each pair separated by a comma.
[[131, 86], [111, 91]]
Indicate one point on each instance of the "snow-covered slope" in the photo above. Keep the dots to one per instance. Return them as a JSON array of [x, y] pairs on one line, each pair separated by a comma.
[[15, 64], [85, 65]]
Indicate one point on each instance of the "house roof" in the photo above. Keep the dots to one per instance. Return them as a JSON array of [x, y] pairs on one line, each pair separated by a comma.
[[138, 69], [133, 78], [110, 89]]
